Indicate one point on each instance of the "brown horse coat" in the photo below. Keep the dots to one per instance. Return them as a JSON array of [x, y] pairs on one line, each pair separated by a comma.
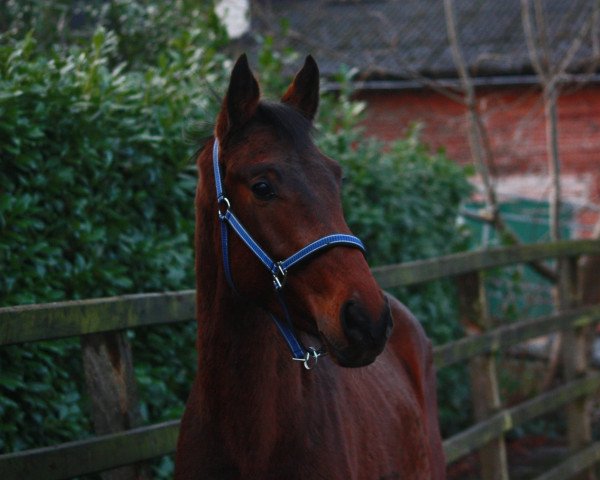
[[252, 412]]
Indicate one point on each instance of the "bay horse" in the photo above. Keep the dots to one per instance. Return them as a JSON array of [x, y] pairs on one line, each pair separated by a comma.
[[265, 191]]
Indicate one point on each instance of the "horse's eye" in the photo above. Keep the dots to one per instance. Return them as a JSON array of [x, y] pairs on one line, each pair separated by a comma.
[[263, 191]]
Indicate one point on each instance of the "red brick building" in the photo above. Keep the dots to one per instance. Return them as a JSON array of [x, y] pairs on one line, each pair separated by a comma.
[[514, 119], [398, 46]]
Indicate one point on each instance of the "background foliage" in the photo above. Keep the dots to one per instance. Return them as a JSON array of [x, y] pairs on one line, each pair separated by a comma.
[[96, 188], [100, 103]]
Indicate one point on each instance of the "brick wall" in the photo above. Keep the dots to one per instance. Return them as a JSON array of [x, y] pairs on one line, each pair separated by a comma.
[[515, 123]]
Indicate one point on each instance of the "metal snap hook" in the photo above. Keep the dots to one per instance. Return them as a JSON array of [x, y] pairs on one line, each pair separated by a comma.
[[223, 201]]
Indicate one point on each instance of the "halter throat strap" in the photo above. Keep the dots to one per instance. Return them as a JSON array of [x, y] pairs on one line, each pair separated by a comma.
[[278, 269]]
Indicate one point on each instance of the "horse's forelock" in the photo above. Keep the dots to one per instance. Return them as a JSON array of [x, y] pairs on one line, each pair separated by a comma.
[[288, 122]]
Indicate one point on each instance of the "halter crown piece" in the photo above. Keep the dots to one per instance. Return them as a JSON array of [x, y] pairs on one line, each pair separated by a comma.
[[279, 269]]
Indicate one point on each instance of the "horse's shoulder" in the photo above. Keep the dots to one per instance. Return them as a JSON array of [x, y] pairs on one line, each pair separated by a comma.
[[411, 347], [407, 329]]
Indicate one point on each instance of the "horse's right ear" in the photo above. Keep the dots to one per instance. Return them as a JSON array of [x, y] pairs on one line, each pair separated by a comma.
[[241, 99]]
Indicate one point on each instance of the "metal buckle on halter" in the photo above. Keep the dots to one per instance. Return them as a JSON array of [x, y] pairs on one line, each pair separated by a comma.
[[279, 276], [223, 201], [311, 358]]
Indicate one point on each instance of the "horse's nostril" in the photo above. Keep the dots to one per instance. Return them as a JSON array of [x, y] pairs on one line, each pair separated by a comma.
[[360, 328], [356, 323]]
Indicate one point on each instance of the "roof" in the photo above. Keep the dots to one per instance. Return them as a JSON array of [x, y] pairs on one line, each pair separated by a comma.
[[406, 39]]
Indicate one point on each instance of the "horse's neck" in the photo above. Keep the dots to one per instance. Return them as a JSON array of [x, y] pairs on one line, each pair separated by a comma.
[[242, 359], [235, 333], [244, 369], [246, 378]]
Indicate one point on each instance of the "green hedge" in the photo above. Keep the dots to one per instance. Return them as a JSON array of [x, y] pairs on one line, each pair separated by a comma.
[[145, 28], [96, 199], [92, 177], [96, 196]]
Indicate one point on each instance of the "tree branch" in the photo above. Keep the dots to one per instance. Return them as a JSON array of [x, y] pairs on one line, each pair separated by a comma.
[[530, 39]]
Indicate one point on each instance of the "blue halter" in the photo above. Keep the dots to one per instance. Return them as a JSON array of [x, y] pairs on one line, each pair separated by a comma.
[[278, 270]]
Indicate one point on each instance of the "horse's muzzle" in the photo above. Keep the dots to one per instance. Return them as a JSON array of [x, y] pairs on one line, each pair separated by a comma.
[[366, 337]]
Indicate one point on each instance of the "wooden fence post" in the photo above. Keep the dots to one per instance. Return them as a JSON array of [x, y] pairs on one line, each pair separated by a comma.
[[110, 380], [575, 348], [482, 370]]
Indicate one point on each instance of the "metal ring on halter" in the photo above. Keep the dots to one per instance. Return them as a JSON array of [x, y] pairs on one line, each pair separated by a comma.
[[279, 276], [223, 201], [311, 358]]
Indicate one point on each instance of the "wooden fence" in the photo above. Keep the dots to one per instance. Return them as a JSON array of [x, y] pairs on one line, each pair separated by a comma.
[[82, 318]]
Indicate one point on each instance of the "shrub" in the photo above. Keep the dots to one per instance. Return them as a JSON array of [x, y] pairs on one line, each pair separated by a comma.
[[145, 28], [96, 199]]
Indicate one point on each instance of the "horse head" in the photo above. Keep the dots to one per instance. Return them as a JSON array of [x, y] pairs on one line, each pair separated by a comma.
[[286, 193]]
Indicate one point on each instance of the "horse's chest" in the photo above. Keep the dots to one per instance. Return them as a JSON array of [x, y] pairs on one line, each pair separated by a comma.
[[356, 429], [373, 433]]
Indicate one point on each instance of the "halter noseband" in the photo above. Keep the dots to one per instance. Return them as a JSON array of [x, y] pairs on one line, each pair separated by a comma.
[[278, 270]]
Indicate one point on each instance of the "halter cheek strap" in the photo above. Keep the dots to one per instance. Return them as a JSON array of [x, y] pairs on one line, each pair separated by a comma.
[[278, 269]]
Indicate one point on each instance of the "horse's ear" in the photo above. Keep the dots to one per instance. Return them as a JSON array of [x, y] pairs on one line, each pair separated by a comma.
[[303, 93], [241, 99]]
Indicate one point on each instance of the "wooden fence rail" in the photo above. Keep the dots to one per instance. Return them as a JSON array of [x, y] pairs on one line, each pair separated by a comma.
[[67, 319]]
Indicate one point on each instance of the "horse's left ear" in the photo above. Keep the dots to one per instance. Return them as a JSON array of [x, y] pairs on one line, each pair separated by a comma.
[[303, 93]]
